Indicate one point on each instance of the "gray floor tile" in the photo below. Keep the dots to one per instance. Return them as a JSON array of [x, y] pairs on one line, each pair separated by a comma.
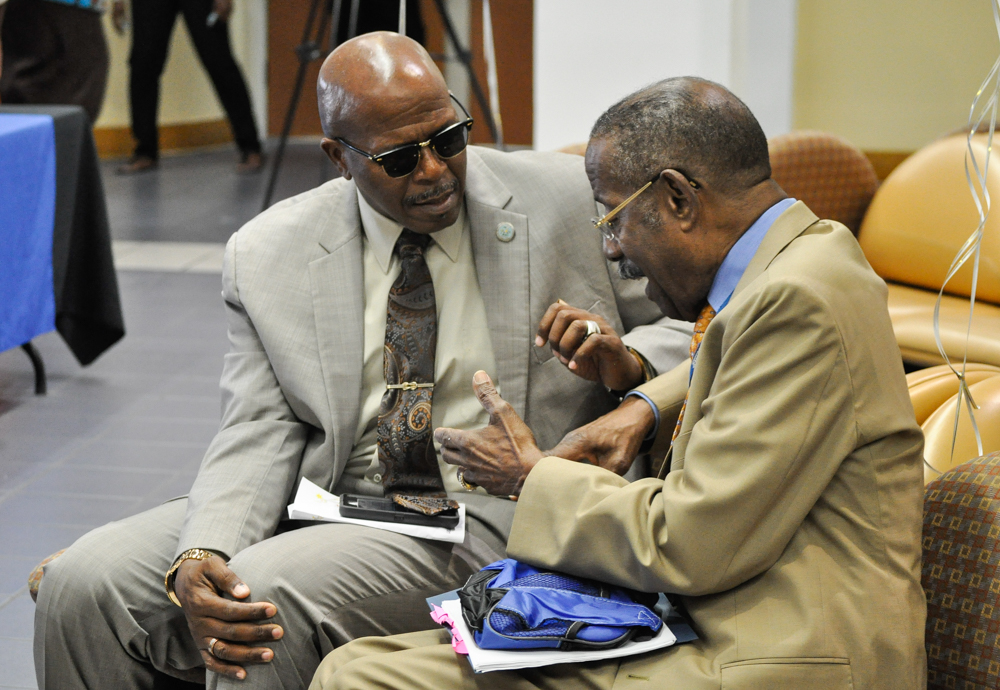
[[107, 454], [172, 204], [18, 614], [28, 540], [14, 574], [39, 421], [180, 485], [17, 663], [151, 429], [194, 407], [194, 385], [77, 508], [17, 468], [123, 482]]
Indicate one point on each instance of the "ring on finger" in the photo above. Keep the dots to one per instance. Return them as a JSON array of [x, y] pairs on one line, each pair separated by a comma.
[[467, 485], [211, 645], [592, 329]]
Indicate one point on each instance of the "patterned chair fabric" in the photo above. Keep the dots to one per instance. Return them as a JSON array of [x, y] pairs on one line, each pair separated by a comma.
[[830, 175], [961, 545]]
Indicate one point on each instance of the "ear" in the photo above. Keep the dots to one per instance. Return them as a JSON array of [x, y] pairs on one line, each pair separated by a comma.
[[680, 198], [335, 152]]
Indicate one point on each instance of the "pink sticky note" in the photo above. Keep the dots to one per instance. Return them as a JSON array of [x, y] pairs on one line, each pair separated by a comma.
[[442, 618]]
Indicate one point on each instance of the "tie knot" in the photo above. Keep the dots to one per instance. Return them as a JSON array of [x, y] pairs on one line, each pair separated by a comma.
[[410, 241]]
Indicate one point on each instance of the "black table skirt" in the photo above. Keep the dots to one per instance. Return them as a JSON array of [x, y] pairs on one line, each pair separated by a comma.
[[88, 309]]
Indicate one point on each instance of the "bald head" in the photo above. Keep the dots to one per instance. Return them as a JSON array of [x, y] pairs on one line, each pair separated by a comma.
[[381, 92], [374, 73]]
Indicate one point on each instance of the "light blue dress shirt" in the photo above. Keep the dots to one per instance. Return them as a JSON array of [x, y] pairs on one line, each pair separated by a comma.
[[728, 277]]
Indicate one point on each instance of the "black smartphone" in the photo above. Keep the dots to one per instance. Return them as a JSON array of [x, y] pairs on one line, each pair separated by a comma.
[[387, 510]]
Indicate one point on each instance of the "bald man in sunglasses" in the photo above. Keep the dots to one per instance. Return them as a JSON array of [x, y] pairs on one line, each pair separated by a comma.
[[358, 314]]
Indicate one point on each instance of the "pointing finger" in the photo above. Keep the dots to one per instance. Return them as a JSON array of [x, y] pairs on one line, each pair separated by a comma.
[[486, 392]]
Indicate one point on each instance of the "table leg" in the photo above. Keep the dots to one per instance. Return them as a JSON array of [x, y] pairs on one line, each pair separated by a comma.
[[39, 366]]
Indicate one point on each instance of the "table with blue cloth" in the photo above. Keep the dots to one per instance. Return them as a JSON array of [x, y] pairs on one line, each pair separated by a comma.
[[56, 268]]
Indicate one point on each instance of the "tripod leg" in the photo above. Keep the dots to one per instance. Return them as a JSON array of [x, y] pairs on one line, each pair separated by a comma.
[[305, 52], [466, 57], [39, 366]]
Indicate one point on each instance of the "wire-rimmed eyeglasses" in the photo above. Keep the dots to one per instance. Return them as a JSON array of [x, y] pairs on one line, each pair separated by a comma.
[[403, 160], [603, 223]]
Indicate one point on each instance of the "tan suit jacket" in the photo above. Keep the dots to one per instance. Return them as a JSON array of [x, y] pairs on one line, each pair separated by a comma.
[[293, 286], [790, 519]]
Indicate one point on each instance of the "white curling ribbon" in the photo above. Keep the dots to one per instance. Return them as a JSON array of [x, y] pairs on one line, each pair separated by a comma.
[[489, 53], [972, 246]]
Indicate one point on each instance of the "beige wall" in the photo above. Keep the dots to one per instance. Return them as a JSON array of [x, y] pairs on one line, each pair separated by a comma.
[[890, 74], [186, 93]]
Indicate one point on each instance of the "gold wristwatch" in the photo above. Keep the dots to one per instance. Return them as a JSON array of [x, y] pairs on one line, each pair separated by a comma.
[[190, 554]]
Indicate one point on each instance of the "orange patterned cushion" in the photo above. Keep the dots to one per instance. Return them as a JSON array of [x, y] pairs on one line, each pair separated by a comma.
[[961, 553], [832, 177], [35, 578]]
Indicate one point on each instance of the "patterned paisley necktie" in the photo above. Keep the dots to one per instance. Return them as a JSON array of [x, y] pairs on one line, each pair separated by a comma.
[[405, 449], [704, 318]]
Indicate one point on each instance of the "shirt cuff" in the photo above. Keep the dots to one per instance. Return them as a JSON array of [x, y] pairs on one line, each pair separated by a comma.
[[647, 442]]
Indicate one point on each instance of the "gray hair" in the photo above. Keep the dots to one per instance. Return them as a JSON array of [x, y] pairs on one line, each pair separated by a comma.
[[690, 124]]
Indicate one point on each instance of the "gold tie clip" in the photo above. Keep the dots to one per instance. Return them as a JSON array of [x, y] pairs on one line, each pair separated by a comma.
[[408, 386]]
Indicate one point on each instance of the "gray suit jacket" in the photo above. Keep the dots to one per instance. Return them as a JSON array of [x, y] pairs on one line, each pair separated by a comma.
[[294, 294]]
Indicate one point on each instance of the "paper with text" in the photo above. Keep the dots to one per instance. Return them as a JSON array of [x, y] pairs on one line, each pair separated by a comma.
[[314, 503]]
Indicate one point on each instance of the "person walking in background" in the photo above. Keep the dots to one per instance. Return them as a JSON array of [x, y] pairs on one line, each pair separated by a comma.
[[207, 23], [54, 52]]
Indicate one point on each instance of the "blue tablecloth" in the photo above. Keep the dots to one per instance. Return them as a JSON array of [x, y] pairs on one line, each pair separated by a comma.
[[27, 216]]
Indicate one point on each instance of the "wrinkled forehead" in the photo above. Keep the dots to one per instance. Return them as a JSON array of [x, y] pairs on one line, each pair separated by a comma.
[[599, 162], [411, 113]]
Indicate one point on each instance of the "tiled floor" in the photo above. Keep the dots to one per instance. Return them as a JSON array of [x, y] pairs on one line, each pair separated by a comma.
[[198, 198], [129, 431], [107, 441]]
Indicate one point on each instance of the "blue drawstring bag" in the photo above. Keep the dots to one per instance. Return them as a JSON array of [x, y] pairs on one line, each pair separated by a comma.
[[512, 605]]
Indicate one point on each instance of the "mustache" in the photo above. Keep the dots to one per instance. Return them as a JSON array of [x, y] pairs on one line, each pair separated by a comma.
[[431, 193], [628, 270]]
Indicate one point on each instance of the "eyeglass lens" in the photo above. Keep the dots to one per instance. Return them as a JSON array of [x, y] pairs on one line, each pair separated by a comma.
[[447, 144]]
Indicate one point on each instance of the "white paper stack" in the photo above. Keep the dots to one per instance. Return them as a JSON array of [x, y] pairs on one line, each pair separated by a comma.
[[485, 660], [314, 503]]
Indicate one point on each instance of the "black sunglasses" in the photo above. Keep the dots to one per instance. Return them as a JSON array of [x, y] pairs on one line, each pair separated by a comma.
[[400, 162]]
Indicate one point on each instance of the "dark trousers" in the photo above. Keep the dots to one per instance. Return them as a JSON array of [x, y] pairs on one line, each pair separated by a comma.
[[152, 24], [53, 54]]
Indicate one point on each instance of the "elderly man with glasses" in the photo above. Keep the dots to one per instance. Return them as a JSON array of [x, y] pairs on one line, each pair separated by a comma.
[[786, 517], [358, 313]]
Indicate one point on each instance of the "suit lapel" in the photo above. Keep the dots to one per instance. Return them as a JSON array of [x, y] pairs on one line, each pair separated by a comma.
[[786, 228], [789, 225], [503, 272], [337, 282]]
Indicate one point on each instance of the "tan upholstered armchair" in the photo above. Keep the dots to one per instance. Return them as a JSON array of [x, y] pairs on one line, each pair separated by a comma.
[[918, 220], [828, 173], [960, 544], [933, 393]]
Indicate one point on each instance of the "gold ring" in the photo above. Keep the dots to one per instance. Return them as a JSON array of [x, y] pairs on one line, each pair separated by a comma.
[[468, 486], [211, 646]]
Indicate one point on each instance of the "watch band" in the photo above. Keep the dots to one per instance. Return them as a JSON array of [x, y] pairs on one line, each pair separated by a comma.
[[648, 372], [190, 554]]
